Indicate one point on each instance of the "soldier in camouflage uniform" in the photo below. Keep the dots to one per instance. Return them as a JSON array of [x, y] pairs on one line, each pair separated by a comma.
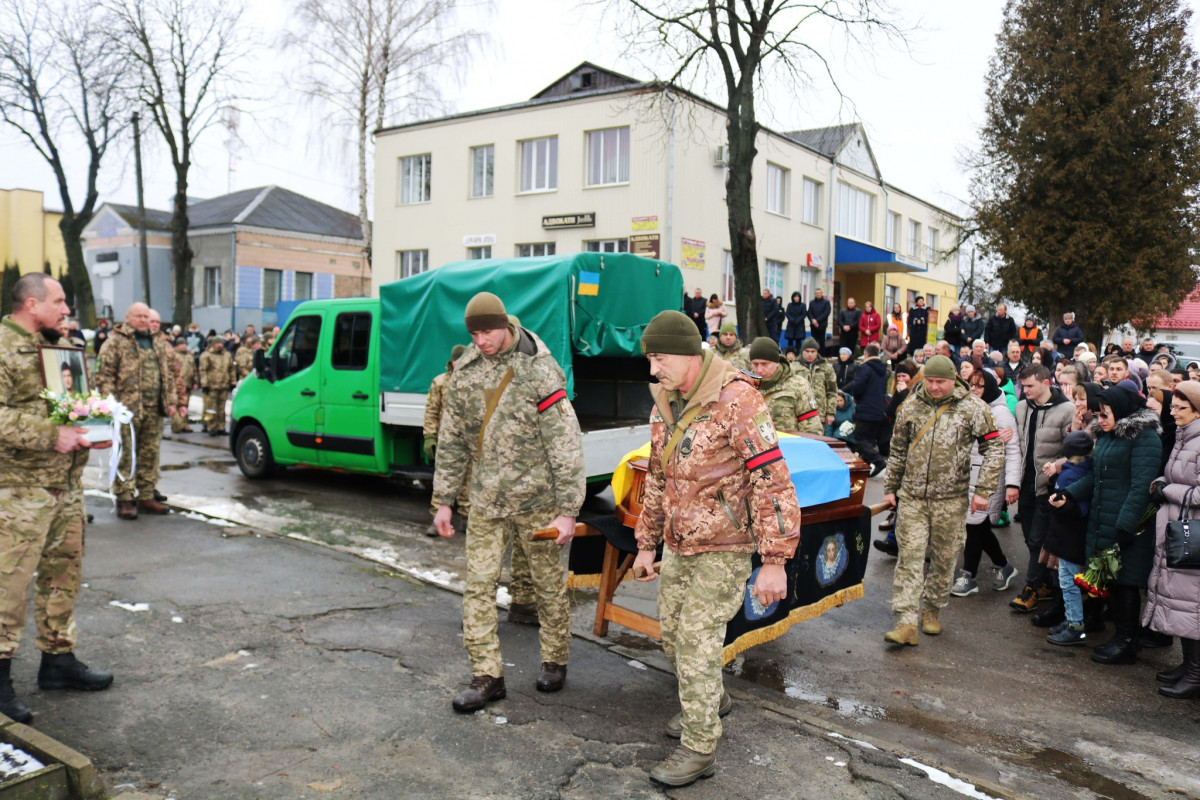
[[730, 349], [507, 415], [41, 503], [435, 401], [244, 360], [789, 399], [929, 472], [717, 490], [187, 382], [821, 378], [135, 367], [217, 376]]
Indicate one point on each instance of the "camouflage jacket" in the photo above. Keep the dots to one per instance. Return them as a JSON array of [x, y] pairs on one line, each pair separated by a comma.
[[27, 436], [244, 361], [532, 449], [823, 382], [725, 487], [217, 370], [119, 371], [737, 355], [434, 403], [187, 374], [938, 465], [790, 402], [176, 370]]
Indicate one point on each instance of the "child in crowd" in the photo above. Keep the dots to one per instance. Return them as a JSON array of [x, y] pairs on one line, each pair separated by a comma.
[[1067, 536]]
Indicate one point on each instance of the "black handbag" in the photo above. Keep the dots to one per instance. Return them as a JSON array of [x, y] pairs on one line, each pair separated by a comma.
[[1182, 542]]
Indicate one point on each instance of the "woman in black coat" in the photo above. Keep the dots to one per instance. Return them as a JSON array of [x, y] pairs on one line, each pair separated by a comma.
[[795, 313]]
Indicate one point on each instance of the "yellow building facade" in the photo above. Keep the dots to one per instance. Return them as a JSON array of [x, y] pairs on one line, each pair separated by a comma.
[[29, 234]]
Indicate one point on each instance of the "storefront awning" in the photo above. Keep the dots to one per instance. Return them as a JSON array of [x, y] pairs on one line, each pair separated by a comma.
[[852, 256]]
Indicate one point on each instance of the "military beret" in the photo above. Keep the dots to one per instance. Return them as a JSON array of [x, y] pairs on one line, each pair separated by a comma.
[[671, 333], [763, 349], [485, 312], [940, 367]]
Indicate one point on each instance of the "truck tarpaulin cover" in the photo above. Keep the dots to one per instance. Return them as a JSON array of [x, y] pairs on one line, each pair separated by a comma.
[[580, 305]]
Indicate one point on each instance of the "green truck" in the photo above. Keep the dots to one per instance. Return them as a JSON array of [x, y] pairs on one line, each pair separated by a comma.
[[344, 385]]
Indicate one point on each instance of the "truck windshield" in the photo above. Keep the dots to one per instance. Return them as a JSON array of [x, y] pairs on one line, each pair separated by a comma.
[[297, 346]]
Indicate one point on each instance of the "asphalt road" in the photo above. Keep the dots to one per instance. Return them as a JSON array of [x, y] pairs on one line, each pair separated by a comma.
[[989, 699]]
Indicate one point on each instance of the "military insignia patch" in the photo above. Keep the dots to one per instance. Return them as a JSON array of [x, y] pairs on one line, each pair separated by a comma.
[[766, 431], [685, 445]]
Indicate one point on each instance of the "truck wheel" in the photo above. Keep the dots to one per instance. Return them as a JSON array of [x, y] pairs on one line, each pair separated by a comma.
[[253, 453]]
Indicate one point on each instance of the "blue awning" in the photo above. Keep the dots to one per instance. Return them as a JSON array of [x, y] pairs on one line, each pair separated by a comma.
[[853, 256]]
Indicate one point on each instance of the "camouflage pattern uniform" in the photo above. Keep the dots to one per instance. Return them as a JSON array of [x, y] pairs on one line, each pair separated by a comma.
[[724, 492], [737, 355], [823, 382], [526, 469], [183, 387], [931, 478], [791, 403], [217, 377], [41, 504], [142, 379], [244, 361]]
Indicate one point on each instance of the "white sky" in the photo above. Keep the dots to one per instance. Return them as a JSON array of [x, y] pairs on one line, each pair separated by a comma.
[[921, 108]]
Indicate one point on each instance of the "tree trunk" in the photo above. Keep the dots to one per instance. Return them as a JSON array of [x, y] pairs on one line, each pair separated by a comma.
[[181, 252], [740, 132], [85, 301]]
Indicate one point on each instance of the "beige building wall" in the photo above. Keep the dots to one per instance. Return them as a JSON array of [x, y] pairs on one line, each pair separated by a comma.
[[29, 234]]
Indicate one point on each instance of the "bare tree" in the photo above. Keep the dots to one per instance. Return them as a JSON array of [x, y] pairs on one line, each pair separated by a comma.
[[372, 62], [742, 41], [185, 53], [60, 86]]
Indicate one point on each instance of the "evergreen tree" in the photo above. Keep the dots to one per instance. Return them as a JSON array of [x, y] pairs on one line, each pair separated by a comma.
[[8, 280], [1086, 184]]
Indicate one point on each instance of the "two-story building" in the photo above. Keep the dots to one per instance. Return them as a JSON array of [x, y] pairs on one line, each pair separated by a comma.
[[253, 249], [599, 161]]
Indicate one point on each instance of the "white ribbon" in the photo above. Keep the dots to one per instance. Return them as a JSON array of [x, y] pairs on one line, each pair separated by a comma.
[[121, 416]]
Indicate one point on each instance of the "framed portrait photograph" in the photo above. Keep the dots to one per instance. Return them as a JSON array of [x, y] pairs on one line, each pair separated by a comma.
[[64, 369]]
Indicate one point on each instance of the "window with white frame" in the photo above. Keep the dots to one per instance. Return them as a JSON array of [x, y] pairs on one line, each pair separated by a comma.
[[777, 186], [212, 286], [810, 211], [889, 298], [539, 164], [535, 249], [914, 238], [892, 234], [272, 288], [932, 242], [727, 277], [483, 163], [411, 262], [482, 251], [303, 286], [608, 156], [808, 282], [855, 209], [606, 246], [416, 176], [773, 274]]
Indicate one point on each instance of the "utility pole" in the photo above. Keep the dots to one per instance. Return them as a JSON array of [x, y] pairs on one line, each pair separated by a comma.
[[145, 259]]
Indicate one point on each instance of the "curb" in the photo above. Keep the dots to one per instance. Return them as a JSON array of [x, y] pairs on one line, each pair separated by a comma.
[[82, 777]]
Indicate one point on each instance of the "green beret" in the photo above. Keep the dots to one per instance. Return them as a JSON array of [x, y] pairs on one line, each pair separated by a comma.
[[486, 312], [671, 333], [763, 349], [940, 367], [728, 327], [810, 344]]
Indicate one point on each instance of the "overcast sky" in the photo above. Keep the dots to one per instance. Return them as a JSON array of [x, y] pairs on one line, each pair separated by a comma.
[[921, 107]]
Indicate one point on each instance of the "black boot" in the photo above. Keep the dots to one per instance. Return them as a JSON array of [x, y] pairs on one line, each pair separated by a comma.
[[1189, 684], [1123, 647], [1093, 615], [1148, 639], [1173, 675], [65, 671], [11, 706]]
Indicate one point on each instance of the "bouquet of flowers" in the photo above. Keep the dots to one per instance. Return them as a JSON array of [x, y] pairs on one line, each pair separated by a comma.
[[1102, 568], [89, 411]]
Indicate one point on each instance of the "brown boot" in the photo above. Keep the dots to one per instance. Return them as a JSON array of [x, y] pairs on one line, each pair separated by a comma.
[[152, 507], [483, 690], [684, 766], [126, 509], [929, 622], [903, 634], [552, 678]]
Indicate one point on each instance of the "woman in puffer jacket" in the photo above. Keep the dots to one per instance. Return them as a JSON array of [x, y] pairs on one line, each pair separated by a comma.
[[1173, 595]]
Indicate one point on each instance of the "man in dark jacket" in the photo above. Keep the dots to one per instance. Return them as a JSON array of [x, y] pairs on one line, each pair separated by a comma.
[[918, 325], [1067, 335], [972, 327], [869, 390], [818, 317], [694, 307], [847, 322], [1000, 330]]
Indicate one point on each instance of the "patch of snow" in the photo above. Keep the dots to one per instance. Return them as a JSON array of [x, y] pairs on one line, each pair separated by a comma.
[[99, 493], [130, 606], [501, 720], [176, 619], [948, 780], [635, 664], [859, 742], [839, 763], [15, 763], [222, 523], [250, 666], [243, 652], [829, 758], [503, 598]]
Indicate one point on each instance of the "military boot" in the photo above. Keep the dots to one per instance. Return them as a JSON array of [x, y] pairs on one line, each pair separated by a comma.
[[65, 671], [684, 766], [524, 614], [11, 706], [483, 690], [152, 507], [929, 622], [126, 509], [674, 727], [903, 634], [552, 678]]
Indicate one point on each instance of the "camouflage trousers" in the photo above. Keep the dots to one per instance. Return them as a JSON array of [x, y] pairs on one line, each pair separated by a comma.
[[939, 526], [214, 409], [179, 422], [697, 596], [520, 578], [41, 533], [486, 542], [148, 429]]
